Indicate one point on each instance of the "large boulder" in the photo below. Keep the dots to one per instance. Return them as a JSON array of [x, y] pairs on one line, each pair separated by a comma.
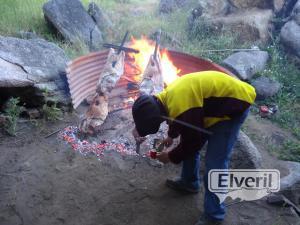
[[265, 87], [290, 38], [30, 66], [73, 22], [249, 26], [245, 155], [248, 4], [296, 13], [246, 64], [215, 8], [290, 184]]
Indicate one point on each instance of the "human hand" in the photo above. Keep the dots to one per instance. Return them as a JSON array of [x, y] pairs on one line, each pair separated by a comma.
[[163, 157], [137, 137], [168, 141]]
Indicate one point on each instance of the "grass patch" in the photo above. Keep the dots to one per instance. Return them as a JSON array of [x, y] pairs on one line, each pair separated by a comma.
[[51, 112], [12, 113], [288, 98]]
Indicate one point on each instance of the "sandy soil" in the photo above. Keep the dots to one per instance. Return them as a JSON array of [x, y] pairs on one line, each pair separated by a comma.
[[42, 181]]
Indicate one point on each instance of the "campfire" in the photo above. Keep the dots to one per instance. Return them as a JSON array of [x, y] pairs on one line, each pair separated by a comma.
[[148, 69], [146, 48], [111, 80]]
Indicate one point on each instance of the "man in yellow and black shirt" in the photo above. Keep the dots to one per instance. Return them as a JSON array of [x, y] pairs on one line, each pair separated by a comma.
[[208, 100]]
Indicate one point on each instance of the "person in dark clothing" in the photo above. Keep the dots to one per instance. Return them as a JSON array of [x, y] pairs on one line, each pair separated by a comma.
[[207, 100]]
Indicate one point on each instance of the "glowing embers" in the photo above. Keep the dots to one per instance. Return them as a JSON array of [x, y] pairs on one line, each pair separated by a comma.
[[70, 135]]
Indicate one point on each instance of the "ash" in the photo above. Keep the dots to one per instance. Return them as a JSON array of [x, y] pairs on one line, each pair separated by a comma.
[[86, 147]]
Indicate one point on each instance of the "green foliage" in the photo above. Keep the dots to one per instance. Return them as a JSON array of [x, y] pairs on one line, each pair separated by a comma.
[[288, 98], [290, 151], [16, 15], [51, 112], [12, 113]]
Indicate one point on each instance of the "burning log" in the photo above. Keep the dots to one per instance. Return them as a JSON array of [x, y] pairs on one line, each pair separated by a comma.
[[98, 110]]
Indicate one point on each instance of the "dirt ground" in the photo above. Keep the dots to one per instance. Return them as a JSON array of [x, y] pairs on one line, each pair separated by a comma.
[[43, 181]]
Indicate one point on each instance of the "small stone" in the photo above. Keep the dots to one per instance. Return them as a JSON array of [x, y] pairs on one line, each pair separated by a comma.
[[33, 113], [265, 87]]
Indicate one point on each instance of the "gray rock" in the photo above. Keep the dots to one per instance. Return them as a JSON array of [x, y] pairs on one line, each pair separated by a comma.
[[265, 87], [296, 13], [290, 184], [245, 155], [167, 6], [248, 4], [73, 22], [286, 9], [100, 18], [253, 25], [246, 64], [290, 37], [12, 75], [215, 7], [278, 5], [32, 63], [41, 60]]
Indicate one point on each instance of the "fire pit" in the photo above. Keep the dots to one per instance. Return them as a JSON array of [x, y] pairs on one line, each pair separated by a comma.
[[83, 74]]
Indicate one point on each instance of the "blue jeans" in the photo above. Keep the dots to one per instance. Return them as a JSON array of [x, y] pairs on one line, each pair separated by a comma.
[[219, 148]]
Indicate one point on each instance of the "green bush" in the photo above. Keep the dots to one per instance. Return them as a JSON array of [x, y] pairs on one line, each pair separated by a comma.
[[51, 112], [12, 113]]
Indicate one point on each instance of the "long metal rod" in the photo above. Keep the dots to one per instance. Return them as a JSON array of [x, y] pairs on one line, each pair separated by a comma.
[[229, 49], [123, 42], [126, 49], [157, 44], [202, 130]]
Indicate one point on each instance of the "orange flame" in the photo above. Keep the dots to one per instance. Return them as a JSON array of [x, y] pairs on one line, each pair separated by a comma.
[[146, 48]]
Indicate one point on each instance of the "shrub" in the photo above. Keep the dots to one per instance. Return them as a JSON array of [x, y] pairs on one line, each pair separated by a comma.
[[12, 112]]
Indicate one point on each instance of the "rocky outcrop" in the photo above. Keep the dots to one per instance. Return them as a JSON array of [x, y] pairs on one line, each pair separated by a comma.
[[290, 38], [246, 64], [213, 8], [245, 155], [249, 4], [290, 184], [35, 65], [73, 22], [296, 13], [244, 18], [265, 87], [290, 33]]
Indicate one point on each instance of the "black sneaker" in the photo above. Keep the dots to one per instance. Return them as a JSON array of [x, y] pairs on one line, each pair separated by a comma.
[[178, 185]]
